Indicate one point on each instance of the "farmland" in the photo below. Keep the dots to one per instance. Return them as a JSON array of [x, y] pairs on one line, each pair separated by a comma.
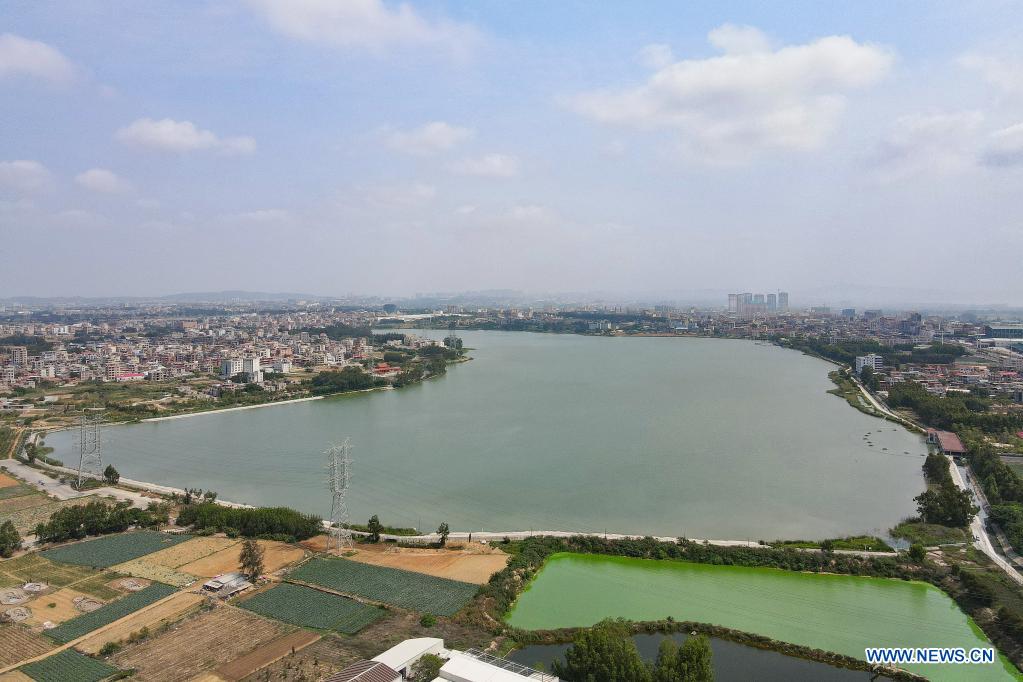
[[41, 508], [266, 654], [18, 643], [87, 622], [34, 568], [68, 665], [56, 607], [404, 589], [114, 549], [312, 608], [16, 490], [472, 564], [200, 643], [276, 555], [168, 611], [162, 565]]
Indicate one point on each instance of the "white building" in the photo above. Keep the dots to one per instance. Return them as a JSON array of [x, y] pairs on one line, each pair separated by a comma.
[[873, 361], [230, 367], [471, 665]]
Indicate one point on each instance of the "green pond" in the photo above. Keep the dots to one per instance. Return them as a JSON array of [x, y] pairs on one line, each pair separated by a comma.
[[838, 613]]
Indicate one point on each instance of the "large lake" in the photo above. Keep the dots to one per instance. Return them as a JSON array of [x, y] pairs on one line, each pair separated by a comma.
[[710, 438]]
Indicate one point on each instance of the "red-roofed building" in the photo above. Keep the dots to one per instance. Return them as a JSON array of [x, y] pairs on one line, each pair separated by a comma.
[[947, 442]]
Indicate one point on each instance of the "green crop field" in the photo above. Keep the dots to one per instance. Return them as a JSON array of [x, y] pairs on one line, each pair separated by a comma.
[[114, 549], [108, 613], [404, 589], [15, 491], [68, 665], [32, 568], [311, 608]]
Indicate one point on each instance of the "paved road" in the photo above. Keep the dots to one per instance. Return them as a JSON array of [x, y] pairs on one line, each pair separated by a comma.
[[54, 487], [962, 478], [983, 542], [493, 536]]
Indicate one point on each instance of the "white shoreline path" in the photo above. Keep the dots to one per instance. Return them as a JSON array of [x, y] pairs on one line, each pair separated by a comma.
[[221, 410]]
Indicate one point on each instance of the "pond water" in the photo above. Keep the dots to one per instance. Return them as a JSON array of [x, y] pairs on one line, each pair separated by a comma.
[[839, 613]]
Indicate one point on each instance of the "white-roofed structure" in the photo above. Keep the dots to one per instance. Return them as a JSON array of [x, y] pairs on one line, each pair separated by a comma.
[[403, 656], [472, 665]]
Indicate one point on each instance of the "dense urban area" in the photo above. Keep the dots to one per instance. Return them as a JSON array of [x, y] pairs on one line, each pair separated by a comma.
[[110, 577]]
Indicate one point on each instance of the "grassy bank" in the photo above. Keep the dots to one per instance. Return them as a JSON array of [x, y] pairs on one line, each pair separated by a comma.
[[865, 543], [845, 388]]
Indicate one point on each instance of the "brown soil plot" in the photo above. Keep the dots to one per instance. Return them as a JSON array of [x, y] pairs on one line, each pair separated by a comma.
[[276, 555], [199, 644], [467, 565], [152, 618], [20, 644], [265, 655]]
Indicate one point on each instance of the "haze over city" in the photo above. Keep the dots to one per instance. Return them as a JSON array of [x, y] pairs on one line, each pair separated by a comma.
[[870, 154]]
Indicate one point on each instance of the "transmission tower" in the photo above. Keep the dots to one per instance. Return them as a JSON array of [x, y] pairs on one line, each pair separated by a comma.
[[90, 446], [339, 464]]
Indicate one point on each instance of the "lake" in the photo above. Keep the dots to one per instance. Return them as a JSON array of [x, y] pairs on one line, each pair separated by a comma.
[[710, 438], [837, 613]]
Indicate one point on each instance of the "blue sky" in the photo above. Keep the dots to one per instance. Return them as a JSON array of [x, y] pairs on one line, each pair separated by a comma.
[[866, 150]]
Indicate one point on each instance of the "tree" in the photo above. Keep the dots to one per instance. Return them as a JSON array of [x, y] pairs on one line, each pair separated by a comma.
[[110, 475], [917, 553], [10, 539], [691, 662], [604, 653], [427, 668], [375, 528], [251, 559], [946, 505], [444, 530]]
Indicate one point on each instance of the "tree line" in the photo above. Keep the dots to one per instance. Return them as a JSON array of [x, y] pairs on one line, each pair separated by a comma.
[[607, 652], [99, 518], [260, 522]]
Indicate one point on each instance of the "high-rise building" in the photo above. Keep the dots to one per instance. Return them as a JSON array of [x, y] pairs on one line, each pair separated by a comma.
[[733, 303], [783, 301], [19, 356], [849, 312], [758, 299], [772, 303]]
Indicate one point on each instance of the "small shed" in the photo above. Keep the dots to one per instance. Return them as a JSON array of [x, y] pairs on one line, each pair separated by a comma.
[[226, 584]]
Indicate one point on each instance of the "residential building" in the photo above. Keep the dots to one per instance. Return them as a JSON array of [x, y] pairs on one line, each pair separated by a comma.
[[873, 361]]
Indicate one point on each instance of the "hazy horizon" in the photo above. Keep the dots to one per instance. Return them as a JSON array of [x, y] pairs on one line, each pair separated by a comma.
[[867, 154]]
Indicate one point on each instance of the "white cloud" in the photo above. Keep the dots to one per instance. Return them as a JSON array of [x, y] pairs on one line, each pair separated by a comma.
[[732, 39], [23, 176], [102, 180], [1006, 74], [370, 24], [429, 138], [928, 143], [181, 136], [656, 56], [23, 57], [748, 100], [1005, 147], [490, 165]]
